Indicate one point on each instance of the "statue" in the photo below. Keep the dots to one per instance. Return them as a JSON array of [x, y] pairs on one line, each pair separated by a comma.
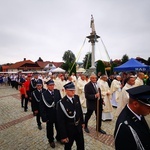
[[92, 26]]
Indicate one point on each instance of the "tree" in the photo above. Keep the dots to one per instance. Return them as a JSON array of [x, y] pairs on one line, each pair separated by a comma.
[[113, 64], [124, 59], [69, 62], [100, 67], [87, 60], [148, 61], [40, 59], [69, 57]]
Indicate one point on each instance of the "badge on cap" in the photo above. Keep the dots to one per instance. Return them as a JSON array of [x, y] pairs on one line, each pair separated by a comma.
[[39, 82]]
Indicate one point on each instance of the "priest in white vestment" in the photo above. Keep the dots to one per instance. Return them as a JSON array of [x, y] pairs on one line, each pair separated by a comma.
[[115, 89], [80, 88], [106, 96], [139, 79], [124, 97]]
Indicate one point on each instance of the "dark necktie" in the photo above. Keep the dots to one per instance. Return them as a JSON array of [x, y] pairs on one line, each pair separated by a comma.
[[52, 93], [95, 87]]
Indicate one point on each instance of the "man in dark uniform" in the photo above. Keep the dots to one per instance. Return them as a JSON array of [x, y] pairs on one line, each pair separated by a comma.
[[93, 98], [33, 82], [36, 97], [48, 111], [32, 87], [132, 131], [70, 119]]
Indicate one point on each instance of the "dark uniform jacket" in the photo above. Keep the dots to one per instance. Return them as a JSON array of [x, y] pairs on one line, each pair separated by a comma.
[[90, 92], [124, 138], [32, 85], [36, 98], [47, 109], [66, 124]]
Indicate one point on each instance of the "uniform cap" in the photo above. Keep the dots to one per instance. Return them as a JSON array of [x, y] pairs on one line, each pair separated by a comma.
[[69, 86], [141, 94], [35, 73], [39, 82], [50, 82]]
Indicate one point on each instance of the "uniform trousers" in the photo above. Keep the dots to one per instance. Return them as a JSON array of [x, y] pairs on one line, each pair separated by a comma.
[[75, 135], [22, 100], [26, 100], [50, 131], [13, 84], [38, 120]]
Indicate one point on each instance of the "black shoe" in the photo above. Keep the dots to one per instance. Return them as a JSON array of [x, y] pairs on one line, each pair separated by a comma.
[[40, 127], [102, 131], [52, 144], [25, 110], [86, 130]]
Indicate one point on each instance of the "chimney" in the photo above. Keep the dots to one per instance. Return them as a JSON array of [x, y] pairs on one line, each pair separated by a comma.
[[24, 59]]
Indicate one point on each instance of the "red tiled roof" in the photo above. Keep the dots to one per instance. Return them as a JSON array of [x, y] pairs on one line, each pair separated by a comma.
[[28, 63], [57, 64], [42, 64], [20, 63], [5, 67]]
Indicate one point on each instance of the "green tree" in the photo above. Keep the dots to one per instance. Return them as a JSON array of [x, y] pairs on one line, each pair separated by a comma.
[[113, 64], [68, 57], [124, 59], [69, 62], [100, 67], [87, 60], [40, 59], [148, 61]]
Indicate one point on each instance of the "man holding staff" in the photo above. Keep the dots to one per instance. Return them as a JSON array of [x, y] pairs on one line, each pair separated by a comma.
[[94, 103]]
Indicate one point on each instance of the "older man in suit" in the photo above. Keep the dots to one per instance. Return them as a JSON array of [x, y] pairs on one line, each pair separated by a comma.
[[94, 101]]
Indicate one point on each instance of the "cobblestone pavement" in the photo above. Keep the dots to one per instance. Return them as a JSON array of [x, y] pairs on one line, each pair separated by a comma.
[[18, 129]]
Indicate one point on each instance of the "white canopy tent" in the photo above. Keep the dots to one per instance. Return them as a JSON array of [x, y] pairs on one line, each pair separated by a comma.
[[58, 70], [81, 70]]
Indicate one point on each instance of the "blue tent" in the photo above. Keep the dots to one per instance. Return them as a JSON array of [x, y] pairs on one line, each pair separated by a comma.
[[132, 65]]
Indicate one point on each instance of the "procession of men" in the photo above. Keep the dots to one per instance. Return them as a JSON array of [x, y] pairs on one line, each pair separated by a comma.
[[67, 102]]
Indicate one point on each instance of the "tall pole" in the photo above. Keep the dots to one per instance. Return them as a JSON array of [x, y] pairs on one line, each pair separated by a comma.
[[93, 55], [92, 39]]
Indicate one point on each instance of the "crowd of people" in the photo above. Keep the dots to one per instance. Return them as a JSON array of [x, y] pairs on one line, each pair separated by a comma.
[[59, 100]]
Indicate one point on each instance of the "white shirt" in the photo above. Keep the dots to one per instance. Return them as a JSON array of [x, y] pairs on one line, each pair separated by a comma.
[[70, 98], [139, 117]]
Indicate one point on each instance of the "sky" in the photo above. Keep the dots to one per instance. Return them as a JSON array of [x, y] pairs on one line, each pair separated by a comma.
[[47, 28]]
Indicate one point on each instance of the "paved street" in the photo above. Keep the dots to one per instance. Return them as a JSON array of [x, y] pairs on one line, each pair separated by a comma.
[[18, 129]]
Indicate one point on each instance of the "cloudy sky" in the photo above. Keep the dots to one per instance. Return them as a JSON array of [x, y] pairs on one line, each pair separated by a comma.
[[47, 28]]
